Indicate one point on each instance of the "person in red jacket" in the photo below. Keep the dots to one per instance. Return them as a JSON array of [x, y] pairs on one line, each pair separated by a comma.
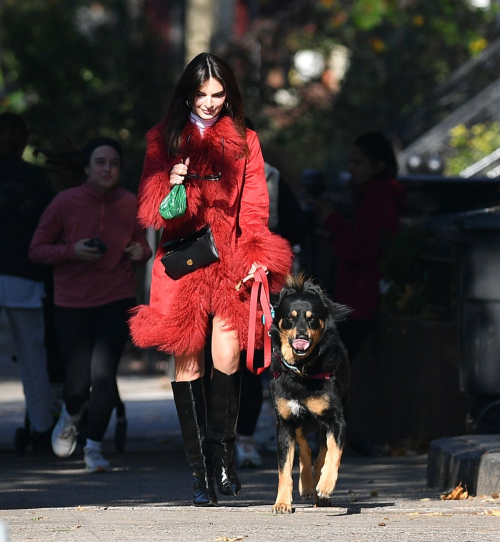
[[204, 144], [91, 237], [358, 243]]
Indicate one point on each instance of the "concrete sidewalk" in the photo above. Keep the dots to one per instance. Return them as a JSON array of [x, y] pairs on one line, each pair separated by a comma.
[[148, 496]]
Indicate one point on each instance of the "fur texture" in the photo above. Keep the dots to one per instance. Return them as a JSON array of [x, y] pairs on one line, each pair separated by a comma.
[[311, 376], [236, 208]]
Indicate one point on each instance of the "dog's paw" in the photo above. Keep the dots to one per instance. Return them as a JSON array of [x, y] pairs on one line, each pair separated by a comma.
[[307, 493], [323, 503], [324, 490], [282, 508]]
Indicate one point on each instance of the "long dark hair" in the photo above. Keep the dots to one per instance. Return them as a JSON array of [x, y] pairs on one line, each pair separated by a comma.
[[202, 68], [378, 148]]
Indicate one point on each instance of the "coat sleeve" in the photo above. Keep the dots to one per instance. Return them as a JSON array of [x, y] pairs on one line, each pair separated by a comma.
[[155, 179], [44, 247], [256, 243]]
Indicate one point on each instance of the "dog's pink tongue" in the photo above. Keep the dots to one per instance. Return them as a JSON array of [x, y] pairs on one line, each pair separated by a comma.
[[300, 344]]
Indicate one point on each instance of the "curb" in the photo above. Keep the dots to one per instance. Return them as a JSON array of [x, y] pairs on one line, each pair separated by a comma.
[[472, 460]]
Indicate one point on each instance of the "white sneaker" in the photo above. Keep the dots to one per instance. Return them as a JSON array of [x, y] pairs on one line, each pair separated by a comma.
[[95, 462], [247, 454], [64, 435]]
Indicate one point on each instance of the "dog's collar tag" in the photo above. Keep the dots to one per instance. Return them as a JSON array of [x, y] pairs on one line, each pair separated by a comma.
[[264, 317]]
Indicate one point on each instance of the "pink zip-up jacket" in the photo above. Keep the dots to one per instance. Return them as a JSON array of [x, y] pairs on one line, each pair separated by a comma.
[[83, 212]]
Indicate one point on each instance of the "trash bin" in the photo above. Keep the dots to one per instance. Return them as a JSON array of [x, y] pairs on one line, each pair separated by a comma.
[[478, 255], [475, 237]]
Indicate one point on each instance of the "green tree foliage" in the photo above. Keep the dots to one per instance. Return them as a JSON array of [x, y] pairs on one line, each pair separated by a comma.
[[82, 69], [399, 51], [471, 144]]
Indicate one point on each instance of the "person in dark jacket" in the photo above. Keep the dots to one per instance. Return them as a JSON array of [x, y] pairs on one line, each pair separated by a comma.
[[24, 194], [359, 243]]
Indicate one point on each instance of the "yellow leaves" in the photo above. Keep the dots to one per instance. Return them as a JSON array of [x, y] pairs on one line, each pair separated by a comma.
[[457, 494], [476, 46], [227, 539], [471, 144]]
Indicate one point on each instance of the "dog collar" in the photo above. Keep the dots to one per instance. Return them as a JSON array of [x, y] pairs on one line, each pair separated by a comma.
[[326, 375]]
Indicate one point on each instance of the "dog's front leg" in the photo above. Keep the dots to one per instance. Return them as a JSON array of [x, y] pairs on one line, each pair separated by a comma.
[[330, 469], [306, 483], [286, 450]]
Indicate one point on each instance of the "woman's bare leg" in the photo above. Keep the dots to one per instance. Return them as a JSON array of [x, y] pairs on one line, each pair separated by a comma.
[[189, 367], [225, 348]]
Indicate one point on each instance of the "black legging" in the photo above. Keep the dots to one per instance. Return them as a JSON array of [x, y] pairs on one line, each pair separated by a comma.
[[92, 342], [251, 396]]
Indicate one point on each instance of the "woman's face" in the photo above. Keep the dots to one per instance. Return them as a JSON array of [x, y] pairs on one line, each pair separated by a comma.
[[362, 168], [103, 170], [209, 99]]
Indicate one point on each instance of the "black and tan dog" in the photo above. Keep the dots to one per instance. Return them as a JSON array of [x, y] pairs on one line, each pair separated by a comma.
[[310, 373]]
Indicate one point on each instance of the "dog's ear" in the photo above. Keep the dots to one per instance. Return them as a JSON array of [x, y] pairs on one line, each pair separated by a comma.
[[310, 286], [284, 292], [335, 310], [340, 312]]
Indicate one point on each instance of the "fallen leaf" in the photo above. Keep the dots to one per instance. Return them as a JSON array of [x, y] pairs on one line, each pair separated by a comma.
[[382, 524], [458, 494], [374, 493], [493, 512], [495, 495]]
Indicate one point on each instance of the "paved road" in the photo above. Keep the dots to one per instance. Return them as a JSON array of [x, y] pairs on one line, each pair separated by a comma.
[[147, 497]]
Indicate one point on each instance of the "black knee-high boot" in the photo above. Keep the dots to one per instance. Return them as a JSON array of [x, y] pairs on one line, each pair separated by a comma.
[[222, 418], [192, 411]]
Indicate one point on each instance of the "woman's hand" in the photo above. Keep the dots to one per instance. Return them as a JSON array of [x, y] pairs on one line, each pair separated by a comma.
[[251, 272], [85, 253], [178, 172], [135, 251]]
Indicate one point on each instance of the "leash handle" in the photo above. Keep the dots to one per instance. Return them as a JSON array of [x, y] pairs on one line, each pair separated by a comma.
[[260, 291]]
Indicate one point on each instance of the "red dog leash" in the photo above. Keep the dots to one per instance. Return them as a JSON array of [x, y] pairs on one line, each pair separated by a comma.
[[260, 290]]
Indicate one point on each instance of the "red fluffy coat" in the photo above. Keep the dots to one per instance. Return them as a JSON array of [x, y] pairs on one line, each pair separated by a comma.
[[236, 208]]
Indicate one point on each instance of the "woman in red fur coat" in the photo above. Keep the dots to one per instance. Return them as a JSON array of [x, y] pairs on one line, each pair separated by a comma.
[[203, 143]]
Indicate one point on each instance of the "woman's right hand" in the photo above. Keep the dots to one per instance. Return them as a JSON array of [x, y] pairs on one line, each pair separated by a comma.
[[178, 172], [85, 253]]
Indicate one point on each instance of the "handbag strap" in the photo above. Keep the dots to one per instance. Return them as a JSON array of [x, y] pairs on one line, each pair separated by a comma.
[[260, 291]]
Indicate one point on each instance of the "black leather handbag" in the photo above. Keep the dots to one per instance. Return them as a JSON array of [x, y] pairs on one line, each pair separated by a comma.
[[183, 256]]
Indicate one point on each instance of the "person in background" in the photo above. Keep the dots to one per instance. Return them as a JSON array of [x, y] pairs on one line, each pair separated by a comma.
[[204, 144], [91, 237], [358, 243], [24, 194]]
